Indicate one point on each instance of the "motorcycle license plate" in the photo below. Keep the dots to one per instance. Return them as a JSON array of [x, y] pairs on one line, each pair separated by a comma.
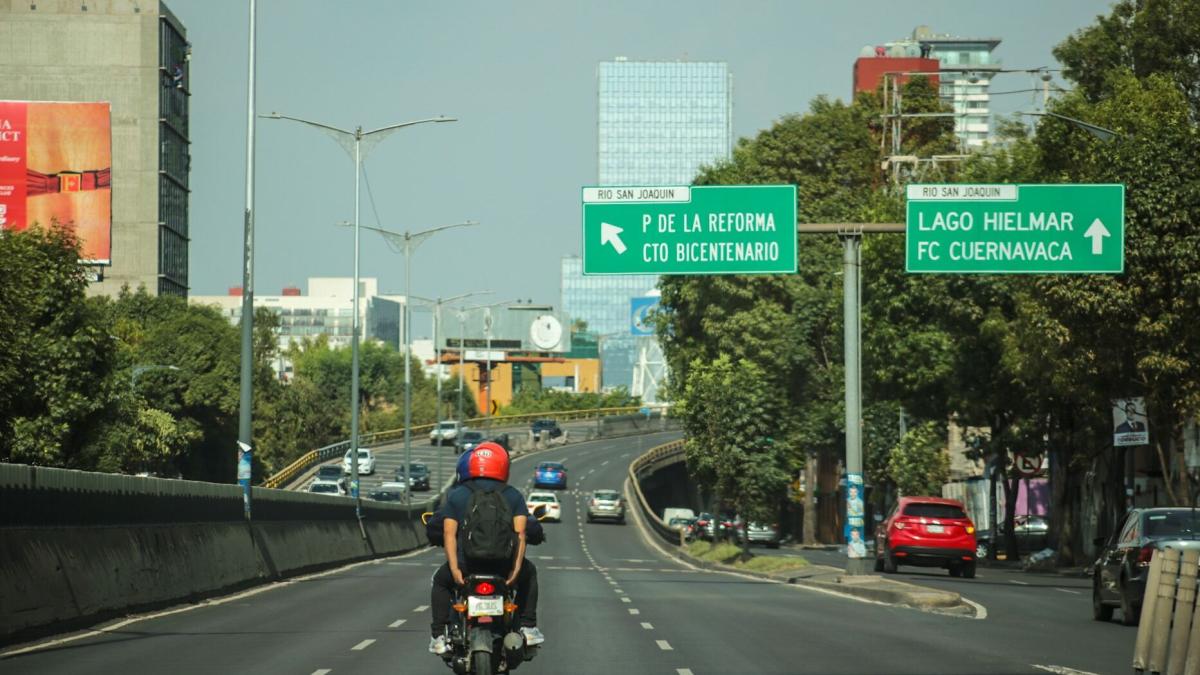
[[488, 605], [935, 529]]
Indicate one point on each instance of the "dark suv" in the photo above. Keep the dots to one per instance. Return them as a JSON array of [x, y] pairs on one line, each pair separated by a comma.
[[550, 426], [418, 476]]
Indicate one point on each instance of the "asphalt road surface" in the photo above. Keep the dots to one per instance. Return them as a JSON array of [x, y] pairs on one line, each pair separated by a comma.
[[611, 602]]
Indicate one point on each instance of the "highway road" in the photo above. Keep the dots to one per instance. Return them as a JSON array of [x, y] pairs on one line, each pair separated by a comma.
[[610, 602]]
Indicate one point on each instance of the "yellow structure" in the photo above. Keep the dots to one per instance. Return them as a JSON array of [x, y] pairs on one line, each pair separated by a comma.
[[585, 371]]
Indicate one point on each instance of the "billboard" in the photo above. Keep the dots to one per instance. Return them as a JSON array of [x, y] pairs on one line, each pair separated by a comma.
[[56, 166], [639, 315]]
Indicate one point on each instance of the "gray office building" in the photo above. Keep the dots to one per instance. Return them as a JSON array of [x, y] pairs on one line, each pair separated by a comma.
[[135, 56], [658, 123]]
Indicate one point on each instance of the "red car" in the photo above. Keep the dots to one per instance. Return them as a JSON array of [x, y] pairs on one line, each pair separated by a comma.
[[927, 532]]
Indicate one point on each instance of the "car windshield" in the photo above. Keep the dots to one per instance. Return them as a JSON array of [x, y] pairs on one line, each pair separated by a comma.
[[934, 510], [447, 425], [608, 496], [1160, 525], [542, 498], [362, 454], [324, 487], [550, 467], [473, 436], [418, 468], [329, 471]]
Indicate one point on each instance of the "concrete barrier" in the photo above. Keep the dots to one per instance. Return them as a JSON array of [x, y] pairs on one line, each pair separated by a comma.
[[78, 548]]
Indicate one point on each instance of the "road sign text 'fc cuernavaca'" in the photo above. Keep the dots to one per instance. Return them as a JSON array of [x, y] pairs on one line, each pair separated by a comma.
[[1016, 229], [726, 229]]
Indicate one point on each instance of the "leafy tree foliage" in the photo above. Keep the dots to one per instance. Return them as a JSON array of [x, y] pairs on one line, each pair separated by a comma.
[[919, 464]]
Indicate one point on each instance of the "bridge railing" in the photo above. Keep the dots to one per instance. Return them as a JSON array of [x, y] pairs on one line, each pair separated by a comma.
[[313, 457], [654, 459]]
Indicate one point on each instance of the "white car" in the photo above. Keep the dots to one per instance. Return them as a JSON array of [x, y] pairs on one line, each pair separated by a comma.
[[324, 487], [366, 462], [548, 500], [445, 433]]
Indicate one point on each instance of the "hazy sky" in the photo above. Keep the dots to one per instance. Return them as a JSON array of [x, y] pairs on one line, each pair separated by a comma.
[[521, 77]]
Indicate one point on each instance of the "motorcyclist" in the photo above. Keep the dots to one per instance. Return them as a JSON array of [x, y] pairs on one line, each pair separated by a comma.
[[487, 465]]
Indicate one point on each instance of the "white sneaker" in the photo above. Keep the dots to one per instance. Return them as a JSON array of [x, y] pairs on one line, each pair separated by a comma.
[[438, 645], [533, 636]]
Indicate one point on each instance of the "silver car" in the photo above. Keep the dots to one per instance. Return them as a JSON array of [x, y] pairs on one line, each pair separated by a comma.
[[760, 533], [606, 505]]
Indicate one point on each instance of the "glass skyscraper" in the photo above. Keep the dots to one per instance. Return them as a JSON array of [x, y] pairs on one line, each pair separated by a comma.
[[658, 123]]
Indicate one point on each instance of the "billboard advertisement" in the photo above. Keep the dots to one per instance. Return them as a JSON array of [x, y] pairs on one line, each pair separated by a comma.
[[56, 166], [639, 315]]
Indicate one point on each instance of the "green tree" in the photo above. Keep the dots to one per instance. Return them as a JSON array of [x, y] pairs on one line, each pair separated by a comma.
[[918, 464]]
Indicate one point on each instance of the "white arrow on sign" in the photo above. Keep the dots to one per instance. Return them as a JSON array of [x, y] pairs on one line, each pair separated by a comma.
[[611, 234], [1096, 233]]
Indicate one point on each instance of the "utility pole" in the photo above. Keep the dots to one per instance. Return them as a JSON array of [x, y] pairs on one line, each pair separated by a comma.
[[245, 465]]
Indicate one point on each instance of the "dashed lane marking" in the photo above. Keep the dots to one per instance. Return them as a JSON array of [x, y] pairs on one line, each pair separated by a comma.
[[626, 600], [604, 463], [664, 645], [544, 557], [323, 671], [421, 608], [647, 626], [397, 623], [633, 569], [618, 591], [1065, 590], [362, 645], [683, 671], [1019, 583], [634, 612], [1062, 670]]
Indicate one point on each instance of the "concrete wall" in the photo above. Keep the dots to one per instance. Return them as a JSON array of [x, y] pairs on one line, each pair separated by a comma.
[[108, 52], [81, 547]]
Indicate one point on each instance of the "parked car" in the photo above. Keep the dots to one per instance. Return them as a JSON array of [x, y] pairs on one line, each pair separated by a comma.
[[706, 524], [445, 433], [730, 526], [550, 475], [548, 500], [606, 505], [331, 473], [382, 495], [322, 487], [1119, 579], [1031, 531], [549, 426], [672, 512], [366, 462], [687, 525], [418, 476], [763, 533], [927, 532], [469, 439]]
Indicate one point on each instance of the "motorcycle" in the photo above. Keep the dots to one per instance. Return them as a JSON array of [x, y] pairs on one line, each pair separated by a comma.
[[484, 634]]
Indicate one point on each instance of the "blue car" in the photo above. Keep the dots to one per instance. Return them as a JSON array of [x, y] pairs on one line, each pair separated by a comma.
[[550, 475]]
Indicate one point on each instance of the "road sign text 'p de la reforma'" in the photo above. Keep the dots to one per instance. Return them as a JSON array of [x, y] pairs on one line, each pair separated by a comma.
[[1016, 229], [726, 229]]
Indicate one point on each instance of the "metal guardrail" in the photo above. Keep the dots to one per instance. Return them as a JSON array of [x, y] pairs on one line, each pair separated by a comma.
[[658, 456], [307, 460]]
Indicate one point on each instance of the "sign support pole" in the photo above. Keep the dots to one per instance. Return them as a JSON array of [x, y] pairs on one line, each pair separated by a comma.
[[856, 562]]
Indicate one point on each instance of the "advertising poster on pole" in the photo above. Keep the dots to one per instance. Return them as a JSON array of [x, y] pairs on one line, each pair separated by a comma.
[[56, 167], [856, 545], [1129, 422]]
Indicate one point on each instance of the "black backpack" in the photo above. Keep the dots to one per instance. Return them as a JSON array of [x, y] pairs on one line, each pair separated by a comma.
[[487, 529]]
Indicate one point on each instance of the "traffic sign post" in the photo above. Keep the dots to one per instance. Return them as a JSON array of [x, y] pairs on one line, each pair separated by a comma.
[[1016, 229], [727, 229]]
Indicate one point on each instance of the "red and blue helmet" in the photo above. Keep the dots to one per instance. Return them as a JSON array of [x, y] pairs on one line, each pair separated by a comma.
[[488, 460]]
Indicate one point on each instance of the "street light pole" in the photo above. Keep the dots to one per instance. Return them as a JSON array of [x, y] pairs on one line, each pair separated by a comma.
[[351, 142], [246, 395], [409, 241]]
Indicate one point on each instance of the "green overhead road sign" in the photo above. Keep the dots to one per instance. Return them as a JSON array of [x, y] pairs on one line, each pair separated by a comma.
[[727, 229], [1016, 229]]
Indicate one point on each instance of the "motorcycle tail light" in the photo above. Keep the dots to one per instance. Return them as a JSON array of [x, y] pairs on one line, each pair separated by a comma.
[[484, 588]]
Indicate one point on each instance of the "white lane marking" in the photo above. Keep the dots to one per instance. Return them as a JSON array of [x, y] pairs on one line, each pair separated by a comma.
[[1064, 590], [1019, 583], [611, 582], [634, 612], [362, 645], [626, 600], [664, 645], [634, 569], [323, 671], [980, 610], [103, 630], [572, 568], [647, 626], [397, 623], [1062, 670], [421, 608], [544, 557], [604, 463], [683, 671], [618, 591]]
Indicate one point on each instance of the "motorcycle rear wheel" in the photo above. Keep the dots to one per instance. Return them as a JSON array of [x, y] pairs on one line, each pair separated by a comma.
[[481, 663]]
